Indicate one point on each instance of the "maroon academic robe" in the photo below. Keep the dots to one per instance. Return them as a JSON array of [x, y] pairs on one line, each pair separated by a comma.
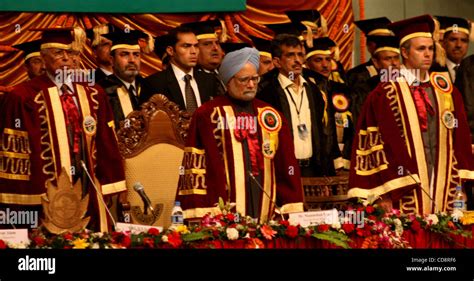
[[214, 163], [388, 155], [35, 145]]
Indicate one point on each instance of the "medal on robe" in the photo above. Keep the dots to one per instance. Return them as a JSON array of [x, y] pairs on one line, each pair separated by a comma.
[[89, 125], [448, 119], [270, 122], [302, 131]]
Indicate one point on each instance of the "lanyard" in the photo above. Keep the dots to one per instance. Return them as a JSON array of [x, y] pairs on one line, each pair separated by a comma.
[[292, 100]]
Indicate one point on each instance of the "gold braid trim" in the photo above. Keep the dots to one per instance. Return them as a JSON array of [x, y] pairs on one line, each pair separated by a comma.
[[370, 157], [408, 204], [47, 154], [95, 107], [392, 97], [193, 179], [454, 180], [15, 155]]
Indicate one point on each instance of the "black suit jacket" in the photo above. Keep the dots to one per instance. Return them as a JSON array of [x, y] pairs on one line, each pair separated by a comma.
[[272, 93], [165, 82], [99, 75], [465, 84], [111, 83]]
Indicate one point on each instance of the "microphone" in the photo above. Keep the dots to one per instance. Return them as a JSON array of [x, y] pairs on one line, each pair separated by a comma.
[[277, 208], [426, 193], [138, 187], [100, 193]]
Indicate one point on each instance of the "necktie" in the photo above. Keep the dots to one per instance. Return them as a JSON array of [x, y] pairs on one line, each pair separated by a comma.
[[423, 104], [72, 117], [191, 103], [133, 96]]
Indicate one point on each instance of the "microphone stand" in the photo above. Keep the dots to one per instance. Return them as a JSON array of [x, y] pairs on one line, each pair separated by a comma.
[[99, 193], [266, 194], [426, 193]]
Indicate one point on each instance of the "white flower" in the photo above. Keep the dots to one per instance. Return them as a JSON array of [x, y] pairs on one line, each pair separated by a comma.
[[20, 245], [272, 222], [164, 238], [232, 233], [240, 227], [95, 246], [336, 225], [397, 222], [433, 218], [457, 215], [97, 235], [218, 224]]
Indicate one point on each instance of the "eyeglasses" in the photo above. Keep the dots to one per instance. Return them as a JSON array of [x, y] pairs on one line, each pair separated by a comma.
[[245, 80], [60, 53]]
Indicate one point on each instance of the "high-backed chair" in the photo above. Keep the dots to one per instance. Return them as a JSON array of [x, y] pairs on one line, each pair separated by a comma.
[[152, 141], [325, 192]]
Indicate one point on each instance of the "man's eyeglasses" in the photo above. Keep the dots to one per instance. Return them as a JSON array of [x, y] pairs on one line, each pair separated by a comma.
[[60, 53], [245, 80]]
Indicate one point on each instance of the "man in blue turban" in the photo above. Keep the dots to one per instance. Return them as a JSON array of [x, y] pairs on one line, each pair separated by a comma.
[[239, 149]]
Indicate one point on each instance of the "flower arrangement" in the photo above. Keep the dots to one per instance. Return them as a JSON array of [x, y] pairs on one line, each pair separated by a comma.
[[379, 229]]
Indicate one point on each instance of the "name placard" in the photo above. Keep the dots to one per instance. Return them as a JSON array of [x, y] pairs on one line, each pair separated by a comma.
[[135, 228], [306, 219], [15, 236]]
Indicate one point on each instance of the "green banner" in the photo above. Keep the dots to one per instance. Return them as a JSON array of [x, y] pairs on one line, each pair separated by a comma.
[[123, 6]]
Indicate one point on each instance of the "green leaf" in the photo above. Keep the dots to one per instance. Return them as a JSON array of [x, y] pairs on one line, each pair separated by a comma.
[[190, 237], [221, 204], [336, 238]]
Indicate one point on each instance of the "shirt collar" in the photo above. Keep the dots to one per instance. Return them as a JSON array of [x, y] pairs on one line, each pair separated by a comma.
[[450, 64], [106, 72], [410, 76], [179, 73], [285, 81], [127, 84], [58, 81]]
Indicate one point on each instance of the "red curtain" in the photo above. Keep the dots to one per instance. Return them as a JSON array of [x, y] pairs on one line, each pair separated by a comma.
[[14, 28]]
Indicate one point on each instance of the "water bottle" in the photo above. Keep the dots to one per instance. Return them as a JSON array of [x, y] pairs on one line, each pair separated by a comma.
[[176, 215], [459, 200]]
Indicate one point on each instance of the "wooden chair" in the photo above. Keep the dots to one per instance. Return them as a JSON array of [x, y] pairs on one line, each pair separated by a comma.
[[152, 141], [324, 193]]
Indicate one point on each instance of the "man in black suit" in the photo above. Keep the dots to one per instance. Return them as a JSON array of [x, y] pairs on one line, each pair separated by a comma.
[[126, 89], [301, 103], [101, 50], [180, 82]]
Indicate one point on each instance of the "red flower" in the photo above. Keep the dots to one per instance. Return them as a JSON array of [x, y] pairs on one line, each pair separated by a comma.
[[309, 233], [415, 226], [372, 218], [451, 225], [68, 236], [175, 239], [149, 242], [285, 223], [39, 241], [348, 227], [360, 209], [323, 227], [230, 217], [153, 231], [268, 232], [369, 209], [126, 241], [215, 233], [3, 245], [292, 231]]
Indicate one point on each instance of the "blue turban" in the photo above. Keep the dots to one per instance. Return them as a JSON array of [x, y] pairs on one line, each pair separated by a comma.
[[234, 61]]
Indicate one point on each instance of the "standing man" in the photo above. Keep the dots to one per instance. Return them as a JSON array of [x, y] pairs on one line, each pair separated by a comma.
[[455, 42], [101, 50], [266, 60], [33, 62], [302, 104], [180, 82], [210, 51], [319, 60], [411, 147], [126, 89], [386, 60], [240, 149], [52, 122], [372, 28]]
